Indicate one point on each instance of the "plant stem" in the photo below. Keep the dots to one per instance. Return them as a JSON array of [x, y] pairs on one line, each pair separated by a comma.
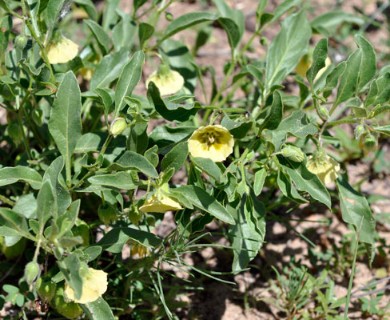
[[6, 200], [30, 27], [353, 270]]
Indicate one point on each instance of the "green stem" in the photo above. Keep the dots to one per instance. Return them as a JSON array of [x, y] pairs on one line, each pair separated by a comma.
[[350, 284], [30, 27], [6, 200], [25, 142]]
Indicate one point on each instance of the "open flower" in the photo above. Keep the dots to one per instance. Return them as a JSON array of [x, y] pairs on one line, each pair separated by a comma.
[[325, 167], [166, 80], [213, 142], [62, 51], [94, 285], [160, 203]]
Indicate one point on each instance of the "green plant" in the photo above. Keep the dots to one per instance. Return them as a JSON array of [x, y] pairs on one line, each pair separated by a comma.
[[86, 142]]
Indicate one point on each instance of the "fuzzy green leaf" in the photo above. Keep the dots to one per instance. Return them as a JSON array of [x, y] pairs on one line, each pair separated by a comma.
[[129, 78], [319, 56], [187, 20], [65, 119], [98, 310], [10, 175], [203, 201], [108, 69], [101, 36], [286, 49], [356, 211]]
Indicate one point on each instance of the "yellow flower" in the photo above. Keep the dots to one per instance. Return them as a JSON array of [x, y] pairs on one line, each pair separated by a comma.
[[62, 51], [305, 63], [325, 167], [166, 80], [137, 250], [160, 203], [94, 285], [213, 142]]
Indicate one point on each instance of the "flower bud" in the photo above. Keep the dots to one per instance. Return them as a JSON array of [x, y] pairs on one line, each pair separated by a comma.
[[359, 131], [31, 271], [370, 142], [323, 112], [118, 126], [293, 153], [46, 289], [107, 213], [21, 42]]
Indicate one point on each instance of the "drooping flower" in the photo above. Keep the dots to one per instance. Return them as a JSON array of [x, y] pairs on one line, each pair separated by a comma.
[[306, 62], [325, 167], [138, 250], [160, 203], [62, 51], [166, 80], [213, 142], [94, 285]]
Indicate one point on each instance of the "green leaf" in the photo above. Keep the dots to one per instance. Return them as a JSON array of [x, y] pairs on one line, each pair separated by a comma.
[[288, 189], [367, 67], [88, 142], [70, 268], [297, 124], [210, 168], [26, 205], [138, 139], [98, 310], [232, 32], [259, 180], [187, 20], [108, 69], [10, 175], [379, 91], [247, 235], [203, 201], [52, 198], [170, 111], [107, 98], [52, 12], [286, 49], [319, 56], [124, 32], [114, 240], [132, 160], [101, 36], [12, 223], [328, 22], [306, 181], [273, 113], [282, 8], [383, 129], [65, 119], [129, 78], [356, 211], [166, 135], [176, 157], [233, 21], [89, 7], [145, 31], [120, 180], [332, 78], [138, 4], [360, 68]]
